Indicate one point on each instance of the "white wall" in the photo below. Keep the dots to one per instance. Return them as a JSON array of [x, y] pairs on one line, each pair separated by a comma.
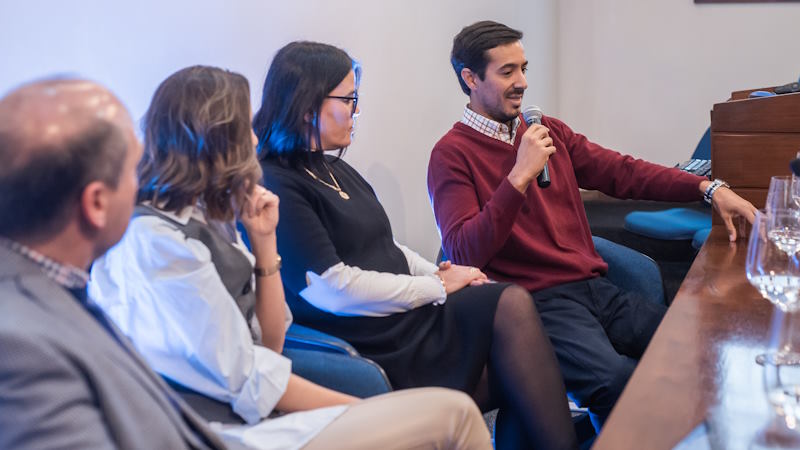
[[410, 96], [632, 75], [642, 76]]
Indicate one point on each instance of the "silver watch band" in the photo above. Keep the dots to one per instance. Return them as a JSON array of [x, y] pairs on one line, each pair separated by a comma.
[[709, 192]]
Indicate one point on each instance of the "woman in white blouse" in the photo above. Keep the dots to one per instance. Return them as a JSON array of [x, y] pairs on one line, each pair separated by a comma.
[[210, 316]]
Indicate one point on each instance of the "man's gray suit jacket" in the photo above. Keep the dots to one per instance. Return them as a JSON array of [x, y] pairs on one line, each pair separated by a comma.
[[65, 382]]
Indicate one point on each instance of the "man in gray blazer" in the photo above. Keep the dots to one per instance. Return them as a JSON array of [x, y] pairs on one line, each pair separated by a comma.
[[68, 379]]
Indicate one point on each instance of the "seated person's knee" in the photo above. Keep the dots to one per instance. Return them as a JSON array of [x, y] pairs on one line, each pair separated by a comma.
[[612, 381], [514, 300]]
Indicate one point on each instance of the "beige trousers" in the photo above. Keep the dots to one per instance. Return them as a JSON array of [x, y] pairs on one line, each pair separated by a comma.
[[425, 418]]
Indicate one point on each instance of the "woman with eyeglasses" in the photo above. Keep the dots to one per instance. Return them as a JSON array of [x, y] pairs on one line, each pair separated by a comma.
[[210, 316], [426, 325]]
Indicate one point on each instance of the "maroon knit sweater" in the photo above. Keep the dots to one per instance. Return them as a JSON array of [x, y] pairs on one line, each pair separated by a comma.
[[540, 239]]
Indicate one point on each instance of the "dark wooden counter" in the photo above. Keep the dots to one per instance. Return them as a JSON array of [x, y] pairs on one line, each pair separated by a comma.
[[700, 364]]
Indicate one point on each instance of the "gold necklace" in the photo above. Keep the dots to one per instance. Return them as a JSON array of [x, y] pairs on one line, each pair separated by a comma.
[[335, 186]]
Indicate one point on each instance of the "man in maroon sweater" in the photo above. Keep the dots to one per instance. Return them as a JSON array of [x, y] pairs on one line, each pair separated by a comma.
[[493, 215]]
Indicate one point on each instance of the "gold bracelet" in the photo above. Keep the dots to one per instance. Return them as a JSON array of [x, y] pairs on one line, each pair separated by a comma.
[[261, 272]]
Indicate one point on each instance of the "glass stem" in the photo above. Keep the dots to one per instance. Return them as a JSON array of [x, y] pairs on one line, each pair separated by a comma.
[[785, 335]]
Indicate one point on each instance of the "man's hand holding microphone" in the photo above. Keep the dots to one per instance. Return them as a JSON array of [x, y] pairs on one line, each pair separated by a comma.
[[535, 149]]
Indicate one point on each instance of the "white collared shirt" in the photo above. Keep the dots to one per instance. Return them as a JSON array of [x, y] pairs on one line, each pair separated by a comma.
[[164, 292]]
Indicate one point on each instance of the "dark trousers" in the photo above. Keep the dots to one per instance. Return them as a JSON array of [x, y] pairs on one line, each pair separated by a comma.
[[598, 333]]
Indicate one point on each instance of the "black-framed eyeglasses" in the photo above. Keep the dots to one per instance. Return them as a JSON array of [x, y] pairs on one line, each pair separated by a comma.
[[352, 98]]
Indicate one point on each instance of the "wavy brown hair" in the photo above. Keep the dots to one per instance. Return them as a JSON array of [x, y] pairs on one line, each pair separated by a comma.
[[198, 143]]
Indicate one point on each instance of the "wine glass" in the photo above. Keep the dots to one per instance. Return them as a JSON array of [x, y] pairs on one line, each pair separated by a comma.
[[796, 187], [782, 370], [783, 214], [783, 229], [780, 194], [771, 270]]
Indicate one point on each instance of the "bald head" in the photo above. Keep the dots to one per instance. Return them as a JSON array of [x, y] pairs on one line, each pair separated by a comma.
[[56, 136], [41, 116]]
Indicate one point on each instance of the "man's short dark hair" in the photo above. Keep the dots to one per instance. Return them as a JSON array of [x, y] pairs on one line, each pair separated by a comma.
[[470, 46], [38, 194]]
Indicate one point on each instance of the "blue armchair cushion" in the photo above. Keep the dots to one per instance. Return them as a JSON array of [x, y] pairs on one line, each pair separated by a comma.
[[671, 224], [630, 270], [298, 336], [352, 375], [333, 363], [700, 237]]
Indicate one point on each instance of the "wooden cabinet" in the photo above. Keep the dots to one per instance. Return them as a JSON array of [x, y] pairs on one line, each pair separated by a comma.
[[753, 139]]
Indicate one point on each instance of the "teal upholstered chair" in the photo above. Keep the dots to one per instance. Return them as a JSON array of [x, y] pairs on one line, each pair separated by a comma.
[[676, 223], [630, 270], [332, 362]]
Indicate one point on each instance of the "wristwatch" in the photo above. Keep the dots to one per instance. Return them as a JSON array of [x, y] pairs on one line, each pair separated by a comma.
[[261, 272], [716, 184]]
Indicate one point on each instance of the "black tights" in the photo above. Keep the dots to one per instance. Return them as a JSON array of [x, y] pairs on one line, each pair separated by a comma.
[[524, 380]]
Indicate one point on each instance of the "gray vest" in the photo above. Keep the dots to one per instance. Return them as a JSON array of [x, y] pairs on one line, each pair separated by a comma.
[[236, 272]]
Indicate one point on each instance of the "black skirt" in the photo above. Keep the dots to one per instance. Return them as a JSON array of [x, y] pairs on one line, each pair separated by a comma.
[[445, 345]]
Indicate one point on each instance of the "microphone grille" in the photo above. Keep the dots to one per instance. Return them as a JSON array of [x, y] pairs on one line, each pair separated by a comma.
[[532, 114]]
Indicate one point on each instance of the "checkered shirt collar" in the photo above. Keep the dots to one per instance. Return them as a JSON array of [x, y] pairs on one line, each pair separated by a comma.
[[69, 277], [489, 127]]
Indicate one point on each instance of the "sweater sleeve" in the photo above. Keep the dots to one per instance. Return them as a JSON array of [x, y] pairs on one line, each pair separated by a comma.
[[471, 235], [623, 176]]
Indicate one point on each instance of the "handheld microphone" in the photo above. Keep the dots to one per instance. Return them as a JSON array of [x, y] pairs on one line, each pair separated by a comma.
[[533, 114]]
